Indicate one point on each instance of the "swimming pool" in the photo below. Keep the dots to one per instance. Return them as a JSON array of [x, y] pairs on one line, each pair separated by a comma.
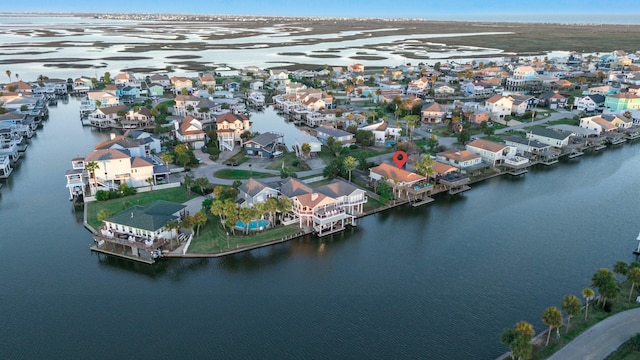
[[254, 225]]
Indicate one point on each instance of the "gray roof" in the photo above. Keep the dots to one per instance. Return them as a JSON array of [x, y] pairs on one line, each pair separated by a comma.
[[533, 143], [252, 187], [597, 98], [293, 187], [151, 217], [333, 132], [265, 139], [337, 188], [550, 133]]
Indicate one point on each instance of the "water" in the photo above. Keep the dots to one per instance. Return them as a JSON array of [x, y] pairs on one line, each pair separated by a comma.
[[268, 120], [438, 282]]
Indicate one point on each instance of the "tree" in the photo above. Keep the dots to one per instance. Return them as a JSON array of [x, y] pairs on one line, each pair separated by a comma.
[[521, 348], [571, 305], [181, 153], [349, 163], [217, 209], [525, 330], [107, 77], [432, 142], [412, 121], [424, 166], [188, 181], [172, 225], [245, 214], [202, 183], [588, 295], [284, 205], [621, 268], [167, 158], [306, 149], [98, 103], [199, 219], [150, 181], [464, 136], [8, 72], [634, 275], [552, 317], [270, 207], [365, 137], [103, 215], [605, 282], [91, 168]]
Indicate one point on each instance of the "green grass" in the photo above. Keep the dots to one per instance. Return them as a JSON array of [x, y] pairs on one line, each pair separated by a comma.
[[564, 121], [626, 351], [239, 174], [213, 238], [178, 195], [579, 325], [289, 159]]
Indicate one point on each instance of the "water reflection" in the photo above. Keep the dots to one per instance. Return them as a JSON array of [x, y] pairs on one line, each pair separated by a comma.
[[250, 261]]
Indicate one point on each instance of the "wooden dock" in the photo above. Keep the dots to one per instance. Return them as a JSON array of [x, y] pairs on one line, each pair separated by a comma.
[[600, 147], [575, 154], [124, 256], [517, 172], [459, 189]]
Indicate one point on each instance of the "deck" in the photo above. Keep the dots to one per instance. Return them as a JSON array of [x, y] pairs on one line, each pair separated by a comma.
[[517, 172], [122, 255], [575, 154], [425, 201], [459, 189]]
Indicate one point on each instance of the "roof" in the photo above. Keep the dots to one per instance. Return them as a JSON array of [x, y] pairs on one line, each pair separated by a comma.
[[532, 143], [440, 168], [124, 141], [252, 187], [495, 98], [460, 156], [106, 154], [333, 131], [265, 139], [311, 200], [393, 172], [597, 98], [337, 188], [487, 145], [113, 109], [151, 217], [550, 133], [293, 187], [231, 117], [140, 162], [434, 107]]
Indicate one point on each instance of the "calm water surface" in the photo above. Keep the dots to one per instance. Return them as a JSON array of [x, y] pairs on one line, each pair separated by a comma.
[[439, 282]]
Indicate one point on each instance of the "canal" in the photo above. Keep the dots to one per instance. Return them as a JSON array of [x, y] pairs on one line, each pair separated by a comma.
[[439, 282]]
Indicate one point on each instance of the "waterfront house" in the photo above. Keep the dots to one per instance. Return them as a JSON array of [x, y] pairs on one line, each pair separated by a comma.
[[622, 101], [383, 132], [462, 159], [207, 80], [117, 166], [185, 105], [128, 94], [138, 117], [324, 132], [125, 79], [491, 152], [5, 166], [603, 90], [101, 98], [229, 127], [77, 178], [190, 131], [398, 179], [136, 143], [20, 87], [107, 117], [254, 191], [441, 169], [160, 79], [278, 78], [597, 124], [347, 196], [264, 145], [554, 138], [479, 117], [82, 85], [315, 145], [142, 230], [590, 103], [443, 90], [433, 113], [320, 212], [528, 147], [524, 79], [477, 89]]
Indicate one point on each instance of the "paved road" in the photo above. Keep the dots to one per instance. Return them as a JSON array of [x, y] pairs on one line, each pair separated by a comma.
[[602, 339]]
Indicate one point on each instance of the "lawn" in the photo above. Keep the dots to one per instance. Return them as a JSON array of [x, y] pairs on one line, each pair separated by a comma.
[[178, 195], [239, 174], [564, 121], [291, 161], [213, 238], [627, 351]]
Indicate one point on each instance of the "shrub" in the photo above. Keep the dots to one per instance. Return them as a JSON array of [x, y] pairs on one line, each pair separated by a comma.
[[295, 163], [102, 195], [353, 146]]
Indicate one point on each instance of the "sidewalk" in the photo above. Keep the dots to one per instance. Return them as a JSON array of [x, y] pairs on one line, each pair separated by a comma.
[[602, 339]]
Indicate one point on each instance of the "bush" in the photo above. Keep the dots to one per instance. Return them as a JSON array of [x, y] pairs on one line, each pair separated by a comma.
[[607, 307], [353, 146], [635, 342], [295, 163], [102, 195]]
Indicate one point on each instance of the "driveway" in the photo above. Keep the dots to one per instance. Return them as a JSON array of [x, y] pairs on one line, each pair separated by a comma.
[[603, 338]]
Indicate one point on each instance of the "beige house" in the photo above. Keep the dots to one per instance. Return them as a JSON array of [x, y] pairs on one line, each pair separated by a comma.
[[116, 167], [229, 127], [190, 131]]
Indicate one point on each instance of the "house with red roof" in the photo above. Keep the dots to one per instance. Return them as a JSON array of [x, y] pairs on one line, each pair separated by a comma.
[[190, 131]]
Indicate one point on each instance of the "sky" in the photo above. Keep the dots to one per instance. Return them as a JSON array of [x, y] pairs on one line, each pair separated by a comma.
[[426, 9]]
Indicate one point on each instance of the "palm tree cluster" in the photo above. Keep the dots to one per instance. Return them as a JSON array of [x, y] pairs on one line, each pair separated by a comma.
[[230, 213], [608, 288]]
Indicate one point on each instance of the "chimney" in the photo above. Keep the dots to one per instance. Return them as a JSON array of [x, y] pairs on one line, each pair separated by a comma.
[[112, 136]]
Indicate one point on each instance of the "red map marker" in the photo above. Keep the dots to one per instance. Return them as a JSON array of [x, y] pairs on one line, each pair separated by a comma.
[[400, 158]]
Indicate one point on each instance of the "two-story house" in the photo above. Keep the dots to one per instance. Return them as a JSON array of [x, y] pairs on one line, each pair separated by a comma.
[[491, 152], [254, 191], [498, 107], [229, 127], [433, 113], [190, 131]]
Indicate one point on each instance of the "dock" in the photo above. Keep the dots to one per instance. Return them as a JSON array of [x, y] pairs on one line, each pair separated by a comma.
[[575, 154], [122, 255], [617, 141], [517, 172], [600, 147], [427, 200], [459, 189]]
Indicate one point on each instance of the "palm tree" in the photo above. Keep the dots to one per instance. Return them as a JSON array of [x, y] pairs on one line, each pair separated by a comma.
[[167, 158], [284, 205], [634, 275], [230, 210], [412, 121], [606, 284], [199, 219], [172, 225], [8, 72], [217, 209], [349, 163], [271, 206], [424, 166], [552, 317], [98, 103], [245, 214], [91, 168], [202, 183], [188, 181], [150, 181], [588, 295], [621, 267], [571, 305]]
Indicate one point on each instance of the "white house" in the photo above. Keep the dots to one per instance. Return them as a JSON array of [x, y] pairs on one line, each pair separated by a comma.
[[190, 131], [590, 103], [491, 152], [461, 159], [550, 137], [498, 106], [254, 191]]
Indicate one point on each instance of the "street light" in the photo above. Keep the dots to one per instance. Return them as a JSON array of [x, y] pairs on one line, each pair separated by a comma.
[[227, 239]]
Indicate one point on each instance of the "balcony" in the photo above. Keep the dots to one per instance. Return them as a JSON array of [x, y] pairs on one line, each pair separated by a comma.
[[454, 179], [140, 242]]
